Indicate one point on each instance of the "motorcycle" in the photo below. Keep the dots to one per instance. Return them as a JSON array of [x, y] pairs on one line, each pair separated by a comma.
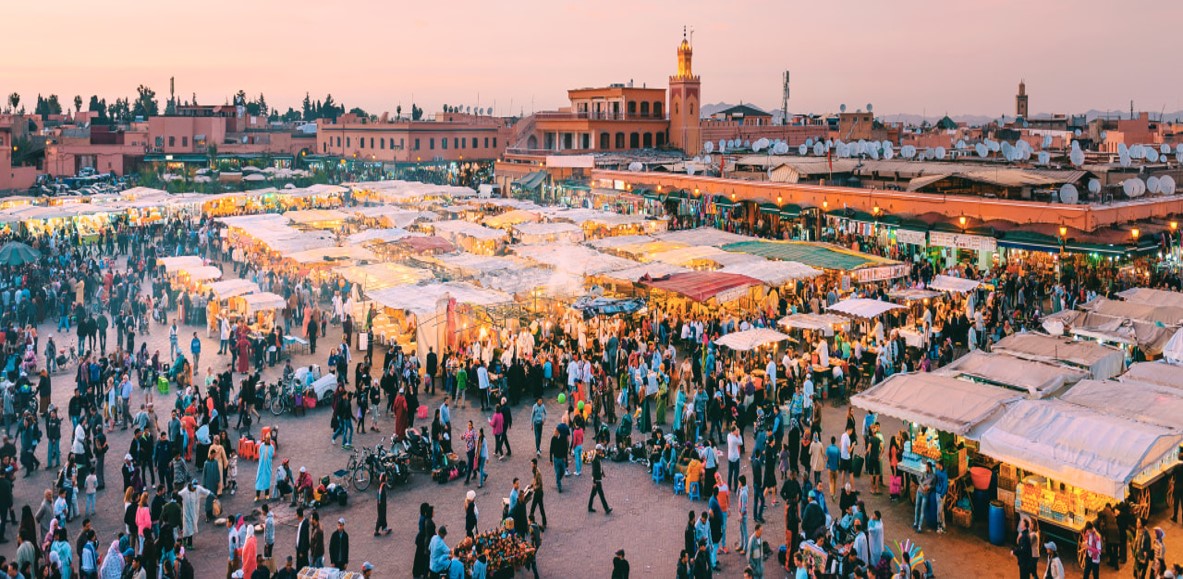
[[417, 445]]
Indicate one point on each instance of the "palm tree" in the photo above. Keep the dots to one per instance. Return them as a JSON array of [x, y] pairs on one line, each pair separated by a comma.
[[14, 100]]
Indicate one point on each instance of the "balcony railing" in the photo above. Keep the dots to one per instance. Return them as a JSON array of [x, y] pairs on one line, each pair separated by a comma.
[[595, 116]]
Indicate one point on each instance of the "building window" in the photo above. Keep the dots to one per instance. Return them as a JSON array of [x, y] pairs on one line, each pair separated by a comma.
[[401, 143], [632, 108], [382, 143], [185, 141], [494, 142], [605, 141], [416, 144], [431, 143], [657, 110], [338, 141], [634, 141], [348, 142], [486, 142], [444, 144], [159, 142], [619, 140], [456, 144], [474, 142], [172, 141], [647, 140], [644, 109], [371, 142]]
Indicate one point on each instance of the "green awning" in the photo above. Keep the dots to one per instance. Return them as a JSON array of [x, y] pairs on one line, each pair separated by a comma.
[[653, 195], [913, 225], [853, 215], [532, 181], [1030, 241], [176, 157], [769, 208], [678, 194], [814, 255], [724, 202], [791, 211], [1102, 249]]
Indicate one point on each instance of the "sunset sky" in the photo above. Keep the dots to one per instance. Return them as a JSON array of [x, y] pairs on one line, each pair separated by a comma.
[[905, 56]]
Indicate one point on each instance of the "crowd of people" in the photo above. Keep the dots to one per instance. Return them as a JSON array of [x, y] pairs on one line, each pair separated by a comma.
[[653, 389]]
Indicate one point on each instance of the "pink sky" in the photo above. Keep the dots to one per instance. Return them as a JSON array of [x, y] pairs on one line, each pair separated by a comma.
[[902, 55]]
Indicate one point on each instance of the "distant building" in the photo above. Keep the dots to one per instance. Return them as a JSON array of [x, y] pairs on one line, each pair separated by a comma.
[[1021, 101], [686, 103], [450, 137], [745, 115]]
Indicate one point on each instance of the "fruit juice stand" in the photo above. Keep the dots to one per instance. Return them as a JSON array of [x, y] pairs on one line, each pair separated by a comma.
[[1061, 461], [940, 414]]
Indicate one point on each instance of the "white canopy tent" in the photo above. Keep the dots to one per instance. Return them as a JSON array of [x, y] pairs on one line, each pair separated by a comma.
[[948, 283], [378, 276], [203, 273], [773, 273], [1039, 379], [347, 253], [536, 233], [687, 256], [230, 288], [1103, 362], [935, 400], [575, 259], [863, 307], [385, 235], [1073, 444], [704, 236], [1154, 297], [653, 269], [1172, 352], [1149, 403], [175, 264], [748, 340], [824, 323], [455, 229], [1158, 373], [263, 301]]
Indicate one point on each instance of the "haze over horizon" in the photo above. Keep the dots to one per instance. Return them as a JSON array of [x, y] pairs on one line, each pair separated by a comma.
[[905, 57]]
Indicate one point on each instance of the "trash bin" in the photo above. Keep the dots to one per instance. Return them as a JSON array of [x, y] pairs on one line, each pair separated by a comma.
[[997, 523]]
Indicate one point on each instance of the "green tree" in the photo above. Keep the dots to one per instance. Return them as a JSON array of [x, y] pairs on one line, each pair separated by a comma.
[[14, 100], [77, 103], [290, 116], [145, 105], [120, 111], [98, 106], [359, 112], [309, 112], [240, 98], [416, 112], [398, 112]]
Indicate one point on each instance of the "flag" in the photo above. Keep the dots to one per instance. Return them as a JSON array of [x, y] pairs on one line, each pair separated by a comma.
[[830, 159]]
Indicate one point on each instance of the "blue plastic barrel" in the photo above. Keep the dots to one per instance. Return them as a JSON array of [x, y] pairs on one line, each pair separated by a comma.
[[997, 523], [981, 503]]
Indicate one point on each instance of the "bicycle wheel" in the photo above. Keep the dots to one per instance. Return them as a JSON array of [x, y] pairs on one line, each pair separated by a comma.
[[278, 405], [352, 464], [362, 477]]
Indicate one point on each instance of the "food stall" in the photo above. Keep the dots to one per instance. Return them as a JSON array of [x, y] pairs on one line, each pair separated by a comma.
[[436, 315], [703, 292], [827, 324], [331, 219], [1062, 462], [1037, 379], [471, 237], [540, 233], [259, 309], [1102, 362], [376, 276], [574, 259], [220, 293]]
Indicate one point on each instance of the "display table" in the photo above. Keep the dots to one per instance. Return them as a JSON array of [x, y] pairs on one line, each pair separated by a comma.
[[913, 338]]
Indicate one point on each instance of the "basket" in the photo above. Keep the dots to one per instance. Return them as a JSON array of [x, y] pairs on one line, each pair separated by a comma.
[[962, 517]]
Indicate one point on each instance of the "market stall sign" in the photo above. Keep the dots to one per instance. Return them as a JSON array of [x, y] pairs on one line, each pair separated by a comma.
[[881, 273], [962, 241], [733, 294], [912, 237]]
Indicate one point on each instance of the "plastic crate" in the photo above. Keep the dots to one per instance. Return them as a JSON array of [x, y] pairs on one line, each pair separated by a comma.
[[962, 517]]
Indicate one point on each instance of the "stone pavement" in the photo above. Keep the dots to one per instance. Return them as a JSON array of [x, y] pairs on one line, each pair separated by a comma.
[[647, 519]]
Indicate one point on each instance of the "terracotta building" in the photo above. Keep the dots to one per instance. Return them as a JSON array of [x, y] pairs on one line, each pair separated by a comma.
[[450, 137]]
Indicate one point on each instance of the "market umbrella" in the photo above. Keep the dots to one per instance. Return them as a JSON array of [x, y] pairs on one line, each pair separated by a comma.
[[751, 339], [17, 253]]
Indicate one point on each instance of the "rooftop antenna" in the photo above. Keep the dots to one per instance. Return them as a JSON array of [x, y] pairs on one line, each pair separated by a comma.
[[1131, 109]]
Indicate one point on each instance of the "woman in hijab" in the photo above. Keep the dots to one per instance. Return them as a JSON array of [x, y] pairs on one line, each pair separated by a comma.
[[64, 553], [113, 563]]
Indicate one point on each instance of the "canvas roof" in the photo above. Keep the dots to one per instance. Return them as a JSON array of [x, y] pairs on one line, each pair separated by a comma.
[[263, 301], [1148, 403], [1102, 361], [1036, 378], [1088, 449], [935, 400], [233, 287], [817, 255], [701, 286], [863, 307], [376, 276], [1145, 295]]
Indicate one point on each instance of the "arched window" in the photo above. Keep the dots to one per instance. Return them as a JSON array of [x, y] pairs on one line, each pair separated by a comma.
[[644, 109], [647, 141], [632, 108], [605, 141], [634, 141], [657, 110], [619, 140]]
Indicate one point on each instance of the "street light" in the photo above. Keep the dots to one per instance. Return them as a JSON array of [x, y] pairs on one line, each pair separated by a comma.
[[1135, 232], [961, 220], [1174, 225], [1063, 232]]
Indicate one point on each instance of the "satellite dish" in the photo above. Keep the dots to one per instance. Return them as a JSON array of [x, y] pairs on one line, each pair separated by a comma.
[[1076, 132], [759, 145], [930, 154], [802, 150], [1075, 145], [707, 159], [842, 108], [961, 145], [1007, 149], [1123, 149], [843, 150], [1151, 155], [819, 149], [994, 146], [1152, 184], [709, 146], [940, 152], [1166, 185], [747, 144], [982, 150], [1094, 186], [635, 166], [1068, 194], [1136, 152], [689, 169], [1165, 149], [1047, 141], [735, 143], [1133, 187], [1124, 159], [1044, 157], [1179, 154], [1076, 157], [888, 154], [782, 148], [870, 108], [874, 153], [809, 142], [886, 144]]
